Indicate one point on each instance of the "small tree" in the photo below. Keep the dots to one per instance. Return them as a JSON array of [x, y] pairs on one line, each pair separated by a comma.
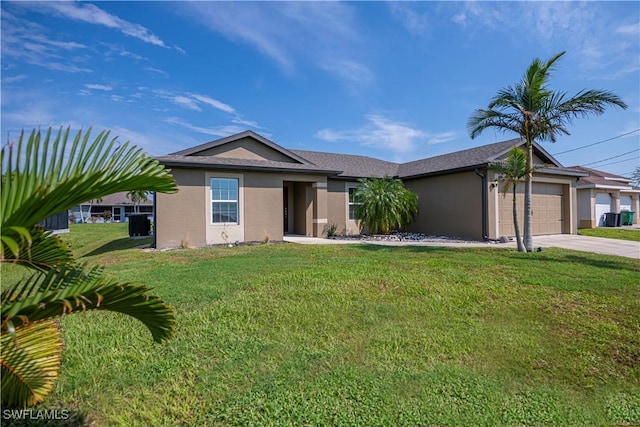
[[384, 205], [514, 170], [137, 196]]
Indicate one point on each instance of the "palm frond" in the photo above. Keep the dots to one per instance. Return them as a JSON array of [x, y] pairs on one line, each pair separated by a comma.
[[70, 290], [42, 251], [513, 168], [44, 178], [12, 239], [30, 363]]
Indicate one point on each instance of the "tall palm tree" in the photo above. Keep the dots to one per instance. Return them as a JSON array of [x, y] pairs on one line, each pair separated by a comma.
[[137, 196], [537, 113], [41, 177], [384, 204], [513, 170]]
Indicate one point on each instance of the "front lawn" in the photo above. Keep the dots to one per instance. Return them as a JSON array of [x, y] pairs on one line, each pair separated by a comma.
[[612, 233], [284, 334]]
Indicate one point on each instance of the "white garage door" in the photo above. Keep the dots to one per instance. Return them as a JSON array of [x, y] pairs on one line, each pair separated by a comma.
[[603, 205], [546, 203], [625, 203]]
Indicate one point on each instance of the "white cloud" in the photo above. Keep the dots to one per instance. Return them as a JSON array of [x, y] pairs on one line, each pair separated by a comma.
[[399, 138], [120, 51], [241, 121], [13, 79], [439, 138], [98, 87], [157, 71], [214, 103], [92, 14], [185, 102], [587, 30], [415, 22], [290, 33], [631, 30], [195, 101], [220, 131], [28, 42], [354, 74]]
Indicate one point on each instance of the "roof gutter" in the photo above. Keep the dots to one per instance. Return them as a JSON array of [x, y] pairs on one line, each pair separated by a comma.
[[194, 165]]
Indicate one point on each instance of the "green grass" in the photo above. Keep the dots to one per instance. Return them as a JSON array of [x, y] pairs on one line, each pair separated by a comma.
[[282, 334], [612, 233]]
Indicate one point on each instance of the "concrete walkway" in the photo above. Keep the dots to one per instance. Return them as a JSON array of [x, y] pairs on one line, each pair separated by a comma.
[[599, 245]]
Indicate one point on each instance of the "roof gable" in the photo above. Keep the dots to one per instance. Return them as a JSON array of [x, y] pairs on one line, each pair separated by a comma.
[[246, 145]]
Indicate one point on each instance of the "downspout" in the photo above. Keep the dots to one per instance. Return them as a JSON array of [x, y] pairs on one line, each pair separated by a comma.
[[155, 221], [483, 178]]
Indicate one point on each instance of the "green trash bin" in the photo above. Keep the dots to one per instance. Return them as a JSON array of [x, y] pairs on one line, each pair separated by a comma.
[[626, 217]]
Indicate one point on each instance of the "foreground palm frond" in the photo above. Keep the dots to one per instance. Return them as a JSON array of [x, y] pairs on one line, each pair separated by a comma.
[[71, 290], [41, 177], [30, 363]]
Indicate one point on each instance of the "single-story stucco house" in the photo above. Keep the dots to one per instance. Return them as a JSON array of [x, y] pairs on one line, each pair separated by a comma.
[[119, 204], [247, 188], [600, 192]]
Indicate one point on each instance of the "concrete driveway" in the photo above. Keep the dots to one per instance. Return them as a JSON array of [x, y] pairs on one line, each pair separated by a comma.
[[599, 245]]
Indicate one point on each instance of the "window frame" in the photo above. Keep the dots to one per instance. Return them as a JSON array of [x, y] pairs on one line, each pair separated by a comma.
[[215, 201], [351, 203]]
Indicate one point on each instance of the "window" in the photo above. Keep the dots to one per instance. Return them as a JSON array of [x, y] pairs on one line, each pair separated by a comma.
[[353, 202], [224, 200]]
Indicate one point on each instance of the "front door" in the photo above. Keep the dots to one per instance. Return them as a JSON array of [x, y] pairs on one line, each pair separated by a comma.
[[117, 214], [285, 208]]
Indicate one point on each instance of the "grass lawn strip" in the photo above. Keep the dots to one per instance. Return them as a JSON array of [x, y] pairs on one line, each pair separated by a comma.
[[612, 233]]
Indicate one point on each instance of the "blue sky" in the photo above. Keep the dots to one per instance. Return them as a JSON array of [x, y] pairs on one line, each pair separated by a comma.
[[396, 81]]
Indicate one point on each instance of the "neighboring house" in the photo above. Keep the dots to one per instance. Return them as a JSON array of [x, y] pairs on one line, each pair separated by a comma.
[[245, 188], [600, 192], [118, 203]]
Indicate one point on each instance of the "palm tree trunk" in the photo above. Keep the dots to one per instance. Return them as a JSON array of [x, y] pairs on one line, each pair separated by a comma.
[[516, 225], [528, 230]]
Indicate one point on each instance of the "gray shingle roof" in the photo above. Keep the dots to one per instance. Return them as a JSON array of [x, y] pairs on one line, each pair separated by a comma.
[[478, 156], [120, 199], [597, 177], [174, 160], [352, 166]]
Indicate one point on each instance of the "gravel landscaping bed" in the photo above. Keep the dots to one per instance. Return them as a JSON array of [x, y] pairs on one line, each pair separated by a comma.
[[411, 237]]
